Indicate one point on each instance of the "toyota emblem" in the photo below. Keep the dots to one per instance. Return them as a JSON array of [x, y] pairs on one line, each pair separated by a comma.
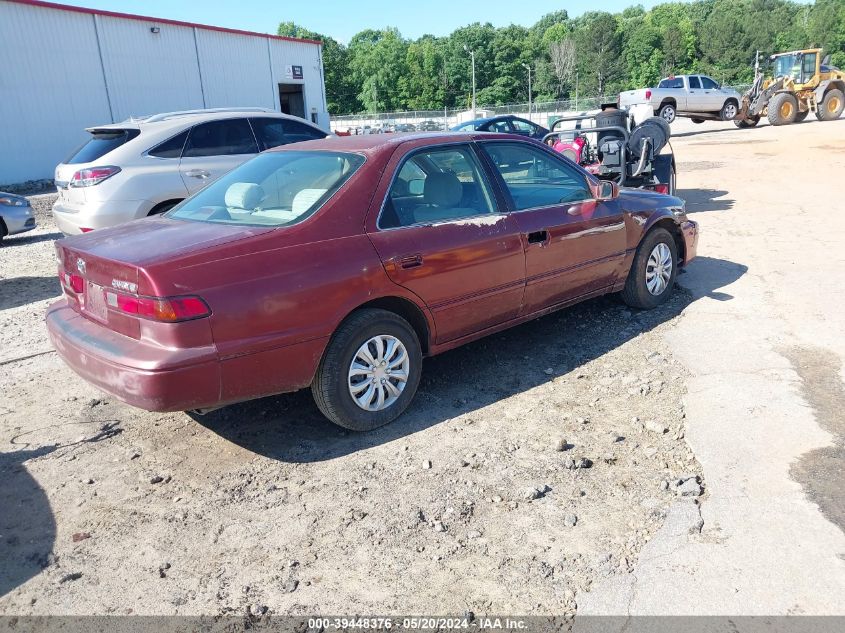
[[80, 266]]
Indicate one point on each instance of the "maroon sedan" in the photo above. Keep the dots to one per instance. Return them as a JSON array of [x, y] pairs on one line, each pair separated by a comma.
[[339, 264]]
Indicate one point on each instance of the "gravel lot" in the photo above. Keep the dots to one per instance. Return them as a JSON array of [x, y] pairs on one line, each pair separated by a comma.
[[533, 466]]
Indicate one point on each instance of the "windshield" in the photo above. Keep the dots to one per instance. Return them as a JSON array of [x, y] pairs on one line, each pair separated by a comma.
[[788, 66], [273, 189]]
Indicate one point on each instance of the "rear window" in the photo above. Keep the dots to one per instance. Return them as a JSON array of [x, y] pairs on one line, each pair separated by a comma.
[[101, 143], [274, 189], [672, 82]]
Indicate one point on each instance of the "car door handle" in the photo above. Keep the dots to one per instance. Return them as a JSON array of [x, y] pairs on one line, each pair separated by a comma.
[[197, 173], [411, 261], [538, 237]]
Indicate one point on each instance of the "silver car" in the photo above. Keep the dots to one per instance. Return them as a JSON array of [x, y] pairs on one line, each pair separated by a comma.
[[15, 215], [143, 167]]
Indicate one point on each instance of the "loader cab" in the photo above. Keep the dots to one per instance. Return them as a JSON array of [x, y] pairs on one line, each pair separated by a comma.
[[802, 67]]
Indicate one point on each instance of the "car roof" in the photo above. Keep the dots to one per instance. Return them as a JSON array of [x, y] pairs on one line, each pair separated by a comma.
[[377, 143], [181, 119]]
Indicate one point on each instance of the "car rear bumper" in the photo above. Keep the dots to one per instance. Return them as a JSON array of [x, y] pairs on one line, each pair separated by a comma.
[[135, 371], [690, 232], [71, 218], [17, 219]]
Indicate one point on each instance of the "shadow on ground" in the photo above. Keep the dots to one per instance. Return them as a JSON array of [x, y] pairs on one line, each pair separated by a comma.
[[19, 240], [27, 526], [702, 200], [290, 428], [19, 291]]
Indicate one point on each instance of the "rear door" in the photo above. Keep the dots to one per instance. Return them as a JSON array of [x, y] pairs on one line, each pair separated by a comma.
[[574, 245], [214, 148], [696, 101], [441, 235]]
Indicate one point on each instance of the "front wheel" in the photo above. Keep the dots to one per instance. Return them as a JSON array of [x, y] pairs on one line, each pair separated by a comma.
[[729, 110], [653, 272], [667, 113], [783, 108], [369, 372]]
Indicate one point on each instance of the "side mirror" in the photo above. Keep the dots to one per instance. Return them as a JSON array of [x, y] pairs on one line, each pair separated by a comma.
[[606, 190]]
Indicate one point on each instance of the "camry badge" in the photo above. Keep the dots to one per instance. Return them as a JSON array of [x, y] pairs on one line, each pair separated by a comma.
[[80, 266]]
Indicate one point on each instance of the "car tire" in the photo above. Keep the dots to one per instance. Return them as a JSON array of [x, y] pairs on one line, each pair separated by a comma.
[[697, 121], [729, 110], [3, 231], [164, 207], [783, 108], [667, 112], [334, 383], [647, 286], [831, 106]]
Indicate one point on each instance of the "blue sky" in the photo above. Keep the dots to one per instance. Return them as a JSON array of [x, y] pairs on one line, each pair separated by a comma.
[[342, 20]]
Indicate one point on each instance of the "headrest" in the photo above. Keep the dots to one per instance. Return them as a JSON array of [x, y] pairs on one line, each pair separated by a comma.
[[305, 199], [243, 195], [443, 189]]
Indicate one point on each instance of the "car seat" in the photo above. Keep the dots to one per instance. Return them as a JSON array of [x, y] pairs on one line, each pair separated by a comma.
[[442, 194]]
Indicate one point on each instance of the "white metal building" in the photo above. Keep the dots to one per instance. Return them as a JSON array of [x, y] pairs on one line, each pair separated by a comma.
[[65, 68]]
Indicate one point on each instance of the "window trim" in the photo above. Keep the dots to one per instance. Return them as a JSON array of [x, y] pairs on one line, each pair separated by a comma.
[[147, 154], [543, 148], [419, 150]]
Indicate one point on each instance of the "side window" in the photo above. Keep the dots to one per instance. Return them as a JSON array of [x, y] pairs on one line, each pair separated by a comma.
[[524, 127], [171, 148], [709, 84], [808, 65], [269, 132], [500, 126], [535, 179], [296, 131], [221, 138], [694, 83], [437, 185]]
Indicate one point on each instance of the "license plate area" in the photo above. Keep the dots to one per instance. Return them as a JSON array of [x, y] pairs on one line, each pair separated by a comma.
[[94, 302]]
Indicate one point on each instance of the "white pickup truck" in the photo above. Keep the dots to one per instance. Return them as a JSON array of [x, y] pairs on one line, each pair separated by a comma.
[[696, 96]]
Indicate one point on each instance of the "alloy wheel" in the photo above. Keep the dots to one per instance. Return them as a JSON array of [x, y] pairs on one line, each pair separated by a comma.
[[658, 269]]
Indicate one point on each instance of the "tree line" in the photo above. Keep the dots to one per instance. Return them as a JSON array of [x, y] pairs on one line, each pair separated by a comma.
[[597, 53]]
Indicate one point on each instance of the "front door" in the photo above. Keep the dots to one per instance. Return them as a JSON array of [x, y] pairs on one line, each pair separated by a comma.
[[213, 149], [441, 236], [573, 243]]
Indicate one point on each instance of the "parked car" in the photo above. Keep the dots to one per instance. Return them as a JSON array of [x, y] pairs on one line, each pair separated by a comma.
[[697, 96], [15, 215], [144, 167], [340, 263], [430, 126], [505, 124], [405, 127]]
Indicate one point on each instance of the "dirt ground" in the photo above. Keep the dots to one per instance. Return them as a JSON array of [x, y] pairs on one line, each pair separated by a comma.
[[465, 504]]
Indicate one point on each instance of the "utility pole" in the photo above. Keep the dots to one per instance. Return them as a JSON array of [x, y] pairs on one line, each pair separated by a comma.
[[529, 89], [576, 90], [472, 57]]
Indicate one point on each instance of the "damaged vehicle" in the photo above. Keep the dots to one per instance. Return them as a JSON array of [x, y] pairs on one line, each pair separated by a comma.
[[340, 264]]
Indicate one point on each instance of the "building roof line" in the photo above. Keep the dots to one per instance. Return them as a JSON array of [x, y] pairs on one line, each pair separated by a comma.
[[145, 18]]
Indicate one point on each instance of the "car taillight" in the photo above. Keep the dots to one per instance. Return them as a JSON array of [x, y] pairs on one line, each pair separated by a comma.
[[92, 176], [648, 94], [661, 188], [72, 282], [167, 309], [85, 229]]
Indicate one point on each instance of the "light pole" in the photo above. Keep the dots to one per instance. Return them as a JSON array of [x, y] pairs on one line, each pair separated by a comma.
[[529, 89], [472, 57]]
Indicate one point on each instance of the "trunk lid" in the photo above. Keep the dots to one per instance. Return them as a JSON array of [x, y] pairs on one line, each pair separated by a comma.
[[117, 258]]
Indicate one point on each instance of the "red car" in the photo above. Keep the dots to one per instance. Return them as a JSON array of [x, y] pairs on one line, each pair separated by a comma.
[[340, 263]]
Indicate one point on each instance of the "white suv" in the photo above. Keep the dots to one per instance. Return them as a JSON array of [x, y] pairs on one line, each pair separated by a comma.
[[146, 166]]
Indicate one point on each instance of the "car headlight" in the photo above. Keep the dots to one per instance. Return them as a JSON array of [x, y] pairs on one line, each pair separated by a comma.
[[14, 201]]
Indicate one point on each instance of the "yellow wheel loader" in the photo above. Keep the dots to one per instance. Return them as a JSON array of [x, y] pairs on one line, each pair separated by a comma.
[[801, 83]]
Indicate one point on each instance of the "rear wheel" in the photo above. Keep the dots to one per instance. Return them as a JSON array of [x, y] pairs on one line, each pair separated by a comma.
[[831, 106], [667, 112], [653, 272], [783, 108], [729, 110], [3, 231], [369, 372]]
